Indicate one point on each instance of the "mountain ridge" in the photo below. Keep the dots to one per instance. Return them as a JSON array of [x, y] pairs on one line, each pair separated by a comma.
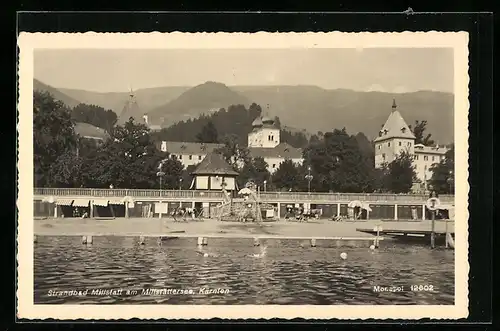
[[308, 107]]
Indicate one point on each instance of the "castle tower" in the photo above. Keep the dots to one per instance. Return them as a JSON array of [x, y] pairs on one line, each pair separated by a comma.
[[264, 133], [394, 138]]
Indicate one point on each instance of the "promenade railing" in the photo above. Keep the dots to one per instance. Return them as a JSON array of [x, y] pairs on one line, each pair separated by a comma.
[[218, 195]]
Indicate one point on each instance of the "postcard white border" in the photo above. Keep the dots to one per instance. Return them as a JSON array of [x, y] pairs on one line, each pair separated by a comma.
[[28, 42]]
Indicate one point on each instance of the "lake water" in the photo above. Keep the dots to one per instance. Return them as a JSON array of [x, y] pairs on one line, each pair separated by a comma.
[[288, 274]]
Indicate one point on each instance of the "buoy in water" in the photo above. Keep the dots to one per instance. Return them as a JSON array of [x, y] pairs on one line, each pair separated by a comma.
[[343, 255], [372, 247]]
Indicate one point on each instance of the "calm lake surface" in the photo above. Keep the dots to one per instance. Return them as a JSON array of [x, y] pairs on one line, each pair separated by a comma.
[[288, 274]]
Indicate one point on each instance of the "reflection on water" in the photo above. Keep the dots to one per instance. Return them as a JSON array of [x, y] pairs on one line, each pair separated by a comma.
[[288, 274]]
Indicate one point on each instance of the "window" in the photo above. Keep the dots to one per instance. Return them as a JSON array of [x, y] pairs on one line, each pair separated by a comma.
[[180, 156], [409, 143], [379, 146], [274, 165], [199, 157], [400, 143], [172, 156], [389, 144], [416, 157], [190, 157], [433, 158], [383, 155], [426, 158]]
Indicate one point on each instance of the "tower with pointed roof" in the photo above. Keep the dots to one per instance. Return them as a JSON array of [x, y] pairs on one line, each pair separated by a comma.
[[264, 133], [130, 109], [394, 137]]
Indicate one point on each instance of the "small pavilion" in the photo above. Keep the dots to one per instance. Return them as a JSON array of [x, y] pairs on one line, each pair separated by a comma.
[[214, 173]]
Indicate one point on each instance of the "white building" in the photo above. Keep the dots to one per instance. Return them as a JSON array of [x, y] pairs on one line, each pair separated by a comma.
[[264, 141], [396, 137], [188, 153]]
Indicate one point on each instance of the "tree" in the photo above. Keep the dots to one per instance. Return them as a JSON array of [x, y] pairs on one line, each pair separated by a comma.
[[400, 174], [94, 115], [337, 164], [254, 170], [234, 154], [419, 132], [66, 171], [130, 159], [208, 134], [53, 134], [287, 176], [443, 179]]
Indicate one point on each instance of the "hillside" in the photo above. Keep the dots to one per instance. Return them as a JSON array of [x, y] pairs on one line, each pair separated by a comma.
[[303, 107], [147, 99], [316, 109], [57, 94], [205, 98]]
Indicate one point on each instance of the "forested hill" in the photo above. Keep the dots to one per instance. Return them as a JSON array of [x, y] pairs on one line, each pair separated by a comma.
[[236, 120]]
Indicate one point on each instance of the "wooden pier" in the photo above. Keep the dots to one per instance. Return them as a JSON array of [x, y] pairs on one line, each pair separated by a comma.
[[443, 236], [203, 239]]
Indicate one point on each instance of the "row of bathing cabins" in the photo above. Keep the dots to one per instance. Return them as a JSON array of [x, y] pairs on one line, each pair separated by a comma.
[[206, 195], [212, 173]]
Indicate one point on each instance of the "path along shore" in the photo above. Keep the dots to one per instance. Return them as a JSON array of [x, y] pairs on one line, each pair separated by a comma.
[[210, 227]]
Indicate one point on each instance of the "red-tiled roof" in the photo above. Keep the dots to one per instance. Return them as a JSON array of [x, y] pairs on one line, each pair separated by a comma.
[[283, 150], [175, 147], [89, 131], [214, 164]]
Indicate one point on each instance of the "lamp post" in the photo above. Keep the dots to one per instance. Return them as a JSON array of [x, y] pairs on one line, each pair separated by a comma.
[[265, 185], [450, 181], [309, 178], [160, 174], [180, 184]]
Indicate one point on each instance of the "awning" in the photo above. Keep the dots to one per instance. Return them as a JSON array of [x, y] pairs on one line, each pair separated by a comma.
[[116, 202], [355, 203], [81, 203], [366, 206], [64, 202], [49, 199], [101, 202]]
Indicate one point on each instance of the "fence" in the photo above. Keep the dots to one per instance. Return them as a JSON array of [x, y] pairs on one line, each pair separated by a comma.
[[218, 195]]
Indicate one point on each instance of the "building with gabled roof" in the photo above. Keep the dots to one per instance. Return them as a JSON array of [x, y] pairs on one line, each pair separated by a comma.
[[188, 153], [396, 137], [213, 173]]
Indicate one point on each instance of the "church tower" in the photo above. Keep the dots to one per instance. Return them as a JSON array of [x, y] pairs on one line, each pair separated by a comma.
[[394, 138], [131, 109], [264, 133]]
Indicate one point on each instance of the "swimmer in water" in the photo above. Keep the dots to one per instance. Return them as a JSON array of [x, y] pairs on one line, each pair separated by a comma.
[[205, 254], [263, 251]]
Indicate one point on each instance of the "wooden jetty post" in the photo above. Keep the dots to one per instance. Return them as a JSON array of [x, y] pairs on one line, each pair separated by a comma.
[[446, 232], [35, 239], [256, 242], [313, 242], [202, 241], [142, 240], [433, 235]]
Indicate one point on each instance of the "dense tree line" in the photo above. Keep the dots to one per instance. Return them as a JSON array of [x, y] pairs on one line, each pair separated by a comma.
[[94, 115], [129, 159], [235, 121], [443, 177]]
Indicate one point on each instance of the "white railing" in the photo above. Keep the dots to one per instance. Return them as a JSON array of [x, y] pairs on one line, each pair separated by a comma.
[[218, 195]]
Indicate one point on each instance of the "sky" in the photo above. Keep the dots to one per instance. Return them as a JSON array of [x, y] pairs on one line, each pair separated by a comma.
[[369, 69]]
